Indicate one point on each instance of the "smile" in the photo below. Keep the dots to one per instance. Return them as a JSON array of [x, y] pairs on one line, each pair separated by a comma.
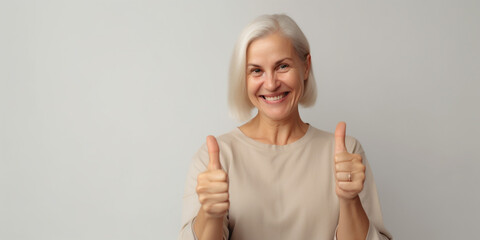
[[275, 98]]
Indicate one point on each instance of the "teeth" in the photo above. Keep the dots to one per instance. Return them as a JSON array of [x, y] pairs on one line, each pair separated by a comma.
[[276, 98]]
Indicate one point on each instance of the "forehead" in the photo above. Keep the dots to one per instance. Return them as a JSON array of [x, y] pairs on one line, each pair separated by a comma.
[[270, 48]]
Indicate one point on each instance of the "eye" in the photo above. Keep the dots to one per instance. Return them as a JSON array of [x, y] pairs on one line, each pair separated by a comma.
[[283, 67], [256, 71]]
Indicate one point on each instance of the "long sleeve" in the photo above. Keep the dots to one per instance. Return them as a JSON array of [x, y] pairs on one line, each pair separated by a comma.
[[369, 198], [280, 191], [191, 205], [371, 205]]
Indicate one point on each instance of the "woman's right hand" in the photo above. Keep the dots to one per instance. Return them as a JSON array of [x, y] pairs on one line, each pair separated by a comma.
[[212, 185]]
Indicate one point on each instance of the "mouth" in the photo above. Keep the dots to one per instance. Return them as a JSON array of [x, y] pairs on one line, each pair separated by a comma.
[[275, 98]]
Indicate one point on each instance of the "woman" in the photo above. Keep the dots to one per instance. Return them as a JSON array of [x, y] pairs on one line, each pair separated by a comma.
[[277, 177]]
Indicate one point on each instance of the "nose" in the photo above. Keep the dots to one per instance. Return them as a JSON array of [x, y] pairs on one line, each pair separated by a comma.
[[271, 82]]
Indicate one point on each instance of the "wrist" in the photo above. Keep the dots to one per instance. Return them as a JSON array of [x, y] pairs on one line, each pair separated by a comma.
[[349, 202], [207, 218], [206, 223]]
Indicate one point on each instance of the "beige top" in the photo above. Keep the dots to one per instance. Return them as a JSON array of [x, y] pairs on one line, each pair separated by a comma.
[[280, 191]]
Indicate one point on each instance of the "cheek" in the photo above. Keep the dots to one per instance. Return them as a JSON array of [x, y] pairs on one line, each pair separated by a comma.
[[294, 80], [252, 87]]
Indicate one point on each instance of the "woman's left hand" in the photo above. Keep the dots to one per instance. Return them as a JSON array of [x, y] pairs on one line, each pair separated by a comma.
[[349, 169]]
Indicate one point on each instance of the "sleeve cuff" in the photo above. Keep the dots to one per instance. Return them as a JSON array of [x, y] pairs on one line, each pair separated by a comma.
[[188, 231], [372, 234], [193, 229]]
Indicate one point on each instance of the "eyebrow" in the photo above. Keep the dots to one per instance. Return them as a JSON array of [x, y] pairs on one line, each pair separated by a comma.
[[277, 62]]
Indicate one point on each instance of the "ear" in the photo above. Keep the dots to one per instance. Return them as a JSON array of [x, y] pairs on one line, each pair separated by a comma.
[[308, 64]]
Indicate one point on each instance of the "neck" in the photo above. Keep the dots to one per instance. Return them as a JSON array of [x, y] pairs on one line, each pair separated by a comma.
[[276, 132]]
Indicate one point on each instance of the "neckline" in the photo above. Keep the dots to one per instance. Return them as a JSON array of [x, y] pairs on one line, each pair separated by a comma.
[[271, 147]]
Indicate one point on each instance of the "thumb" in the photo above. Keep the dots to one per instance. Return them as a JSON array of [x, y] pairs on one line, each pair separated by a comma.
[[340, 137], [213, 153]]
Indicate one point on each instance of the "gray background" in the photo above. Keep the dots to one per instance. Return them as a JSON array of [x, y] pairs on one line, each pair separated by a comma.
[[103, 104]]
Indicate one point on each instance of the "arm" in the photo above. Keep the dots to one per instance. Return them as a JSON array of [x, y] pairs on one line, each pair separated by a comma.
[[205, 202], [353, 221], [367, 202], [208, 228], [360, 215]]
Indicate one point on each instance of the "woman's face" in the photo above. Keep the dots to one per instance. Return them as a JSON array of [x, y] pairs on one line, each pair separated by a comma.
[[275, 76]]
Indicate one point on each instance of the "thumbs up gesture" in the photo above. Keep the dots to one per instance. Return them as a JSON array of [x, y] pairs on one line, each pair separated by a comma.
[[212, 185], [349, 169]]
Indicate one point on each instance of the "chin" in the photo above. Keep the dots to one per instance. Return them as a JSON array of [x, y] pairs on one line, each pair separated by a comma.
[[277, 116]]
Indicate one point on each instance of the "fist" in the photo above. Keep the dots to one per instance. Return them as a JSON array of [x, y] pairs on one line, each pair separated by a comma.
[[349, 169], [212, 185]]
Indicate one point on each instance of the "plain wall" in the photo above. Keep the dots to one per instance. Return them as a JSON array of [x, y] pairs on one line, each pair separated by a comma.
[[103, 104]]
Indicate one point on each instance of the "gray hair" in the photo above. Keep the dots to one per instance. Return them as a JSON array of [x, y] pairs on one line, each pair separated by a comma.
[[238, 101]]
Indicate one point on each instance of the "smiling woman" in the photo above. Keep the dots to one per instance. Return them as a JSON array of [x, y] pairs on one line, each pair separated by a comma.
[[275, 76], [288, 33], [277, 177]]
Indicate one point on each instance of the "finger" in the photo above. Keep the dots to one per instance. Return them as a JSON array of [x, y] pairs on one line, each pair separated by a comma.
[[357, 158], [219, 207], [345, 194], [344, 176], [343, 157], [340, 137], [217, 175], [217, 187], [350, 176], [213, 153], [213, 198], [351, 186], [212, 187], [344, 167]]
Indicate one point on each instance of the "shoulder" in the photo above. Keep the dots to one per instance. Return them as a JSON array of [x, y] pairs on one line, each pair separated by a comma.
[[229, 137]]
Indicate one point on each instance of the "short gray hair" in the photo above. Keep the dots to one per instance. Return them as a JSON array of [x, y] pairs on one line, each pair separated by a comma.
[[238, 101]]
